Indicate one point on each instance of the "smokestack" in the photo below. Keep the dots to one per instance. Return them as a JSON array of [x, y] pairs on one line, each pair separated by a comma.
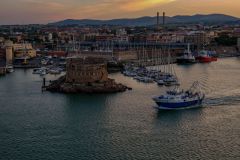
[[157, 20], [164, 19]]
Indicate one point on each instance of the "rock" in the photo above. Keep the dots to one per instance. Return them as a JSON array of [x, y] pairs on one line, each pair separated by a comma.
[[109, 86]]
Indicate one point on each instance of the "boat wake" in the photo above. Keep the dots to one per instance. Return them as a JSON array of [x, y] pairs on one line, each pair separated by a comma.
[[214, 102], [222, 101], [219, 95]]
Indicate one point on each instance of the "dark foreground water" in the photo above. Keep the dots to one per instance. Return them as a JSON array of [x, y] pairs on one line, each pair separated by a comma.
[[36, 125]]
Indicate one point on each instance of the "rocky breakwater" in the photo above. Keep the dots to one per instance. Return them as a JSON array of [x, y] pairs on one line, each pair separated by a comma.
[[109, 86]]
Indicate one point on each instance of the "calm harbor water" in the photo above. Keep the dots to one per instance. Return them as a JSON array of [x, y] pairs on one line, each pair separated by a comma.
[[36, 125]]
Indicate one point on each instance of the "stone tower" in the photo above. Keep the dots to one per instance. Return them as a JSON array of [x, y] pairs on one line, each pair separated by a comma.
[[9, 55]]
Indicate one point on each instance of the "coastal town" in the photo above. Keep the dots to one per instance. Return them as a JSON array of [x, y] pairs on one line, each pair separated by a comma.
[[78, 50], [33, 46], [119, 79]]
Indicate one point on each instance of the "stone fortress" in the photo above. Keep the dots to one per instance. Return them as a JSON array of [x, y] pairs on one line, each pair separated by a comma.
[[86, 70], [86, 75]]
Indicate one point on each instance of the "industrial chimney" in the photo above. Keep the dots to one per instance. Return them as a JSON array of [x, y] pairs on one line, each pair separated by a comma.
[[164, 18], [157, 20]]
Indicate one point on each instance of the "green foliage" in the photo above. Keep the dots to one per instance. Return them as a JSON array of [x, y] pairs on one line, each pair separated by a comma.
[[226, 40]]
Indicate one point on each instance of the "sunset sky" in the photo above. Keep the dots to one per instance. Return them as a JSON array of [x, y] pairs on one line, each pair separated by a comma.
[[44, 11]]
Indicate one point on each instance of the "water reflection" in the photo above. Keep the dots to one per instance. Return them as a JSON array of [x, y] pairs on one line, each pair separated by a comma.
[[178, 115]]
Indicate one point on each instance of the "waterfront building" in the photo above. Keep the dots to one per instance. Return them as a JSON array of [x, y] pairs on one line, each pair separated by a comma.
[[89, 36], [153, 38], [31, 53], [142, 38], [165, 38], [121, 38], [19, 50], [104, 37], [121, 32], [120, 55], [198, 38]]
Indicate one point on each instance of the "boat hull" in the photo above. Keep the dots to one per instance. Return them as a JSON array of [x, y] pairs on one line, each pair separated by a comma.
[[206, 59], [185, 61], [179, 105]]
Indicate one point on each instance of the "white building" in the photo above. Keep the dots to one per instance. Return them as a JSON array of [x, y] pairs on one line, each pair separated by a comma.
[[121, 38], [22, 46], [121, 32], [50, 37]]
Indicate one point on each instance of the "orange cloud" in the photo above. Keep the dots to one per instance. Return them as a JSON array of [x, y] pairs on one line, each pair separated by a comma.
[[138, 5], [107, 9], [44, 11]]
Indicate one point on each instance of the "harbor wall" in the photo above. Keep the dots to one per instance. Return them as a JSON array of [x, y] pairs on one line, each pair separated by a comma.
[[118, 55]]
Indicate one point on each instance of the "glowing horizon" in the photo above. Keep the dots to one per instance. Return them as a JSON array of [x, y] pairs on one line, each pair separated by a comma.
[[45, 11]]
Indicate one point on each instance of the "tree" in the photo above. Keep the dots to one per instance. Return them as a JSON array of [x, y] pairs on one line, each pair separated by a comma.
[[226, 40]]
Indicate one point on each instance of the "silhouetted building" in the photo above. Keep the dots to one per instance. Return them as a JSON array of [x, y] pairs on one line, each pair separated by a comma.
[[86, 70]]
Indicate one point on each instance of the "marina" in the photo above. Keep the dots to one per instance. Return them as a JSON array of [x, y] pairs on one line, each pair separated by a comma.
[[101, 85], [119, 125]]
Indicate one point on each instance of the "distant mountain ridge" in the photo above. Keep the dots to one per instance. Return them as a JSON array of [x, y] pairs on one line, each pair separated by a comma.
[[147, 21]]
